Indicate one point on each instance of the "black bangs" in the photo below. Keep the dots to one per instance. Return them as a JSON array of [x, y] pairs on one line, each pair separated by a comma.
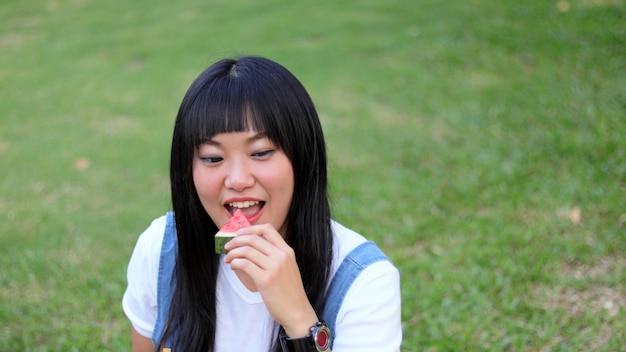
[[248, 94], [227, 104]]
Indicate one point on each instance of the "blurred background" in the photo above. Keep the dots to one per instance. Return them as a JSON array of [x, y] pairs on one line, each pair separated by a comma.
[[480, 143]]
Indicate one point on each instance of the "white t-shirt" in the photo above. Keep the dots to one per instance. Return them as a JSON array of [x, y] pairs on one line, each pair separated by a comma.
[[368, 320]]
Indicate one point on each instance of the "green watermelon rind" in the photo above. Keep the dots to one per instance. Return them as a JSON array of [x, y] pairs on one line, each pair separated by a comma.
[[221, 238], [227, 232]]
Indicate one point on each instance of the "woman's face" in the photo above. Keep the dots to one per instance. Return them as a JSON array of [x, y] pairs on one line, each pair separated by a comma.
[[244, 170]]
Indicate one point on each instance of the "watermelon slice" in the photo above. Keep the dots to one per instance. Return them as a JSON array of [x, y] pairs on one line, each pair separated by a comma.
[[229, 230]]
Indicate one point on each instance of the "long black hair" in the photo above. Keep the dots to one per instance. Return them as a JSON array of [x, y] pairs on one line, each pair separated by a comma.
[[249, 93]]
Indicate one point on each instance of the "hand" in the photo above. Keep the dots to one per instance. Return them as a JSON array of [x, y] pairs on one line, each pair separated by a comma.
[[265, 263]]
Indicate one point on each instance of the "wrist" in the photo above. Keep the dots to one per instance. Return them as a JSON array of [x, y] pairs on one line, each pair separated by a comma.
[[301, 326]]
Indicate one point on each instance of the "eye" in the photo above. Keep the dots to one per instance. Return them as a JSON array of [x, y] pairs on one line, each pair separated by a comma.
[[211, 159], [264, 154]]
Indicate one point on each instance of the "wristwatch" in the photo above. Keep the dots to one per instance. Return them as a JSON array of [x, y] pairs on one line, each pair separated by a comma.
[[318, 340]]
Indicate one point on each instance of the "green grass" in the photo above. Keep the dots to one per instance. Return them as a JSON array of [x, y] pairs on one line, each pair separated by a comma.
[[480, 143]]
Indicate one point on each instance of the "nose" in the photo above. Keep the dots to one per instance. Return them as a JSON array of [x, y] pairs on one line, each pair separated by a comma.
[[239, 175]]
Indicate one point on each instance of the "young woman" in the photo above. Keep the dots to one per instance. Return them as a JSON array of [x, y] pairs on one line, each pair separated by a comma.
[[247, 136]]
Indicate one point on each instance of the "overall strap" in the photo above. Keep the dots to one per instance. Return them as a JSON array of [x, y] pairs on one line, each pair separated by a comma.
[[352, 265], [165, 282]]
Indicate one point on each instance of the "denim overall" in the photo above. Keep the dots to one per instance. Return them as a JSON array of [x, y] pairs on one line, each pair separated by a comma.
[[352, 265]]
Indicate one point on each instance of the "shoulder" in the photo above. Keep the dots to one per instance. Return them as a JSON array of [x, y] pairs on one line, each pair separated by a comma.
[[376, 272], [345, 240], [151, 239], [370, 316], [148, 246]]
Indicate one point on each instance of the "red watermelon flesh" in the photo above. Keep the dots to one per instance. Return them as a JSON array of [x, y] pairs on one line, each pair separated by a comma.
[[236, 222], [229, 230]]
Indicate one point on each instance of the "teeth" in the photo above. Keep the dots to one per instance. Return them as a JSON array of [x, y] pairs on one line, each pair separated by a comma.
[[246, 204]]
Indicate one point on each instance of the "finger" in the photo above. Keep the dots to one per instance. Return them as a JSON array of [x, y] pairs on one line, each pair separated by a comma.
[[259, 250], [258, 242], [247, 266], [266, 231], [266, 273], [256, 250]]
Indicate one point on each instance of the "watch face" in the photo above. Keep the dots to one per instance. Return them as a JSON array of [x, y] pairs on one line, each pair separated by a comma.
[[322, 338]]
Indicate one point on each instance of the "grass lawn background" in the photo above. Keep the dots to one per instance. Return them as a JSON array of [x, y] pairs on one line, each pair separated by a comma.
[[480, 143]]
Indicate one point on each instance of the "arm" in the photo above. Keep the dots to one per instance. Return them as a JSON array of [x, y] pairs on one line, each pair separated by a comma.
[[139, 301], [141, 343]]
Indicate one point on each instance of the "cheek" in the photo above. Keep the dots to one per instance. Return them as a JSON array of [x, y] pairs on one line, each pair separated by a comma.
[[285, 180], [203, 183]]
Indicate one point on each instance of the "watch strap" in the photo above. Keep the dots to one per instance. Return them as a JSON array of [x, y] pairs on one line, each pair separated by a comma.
[[298, 345]]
